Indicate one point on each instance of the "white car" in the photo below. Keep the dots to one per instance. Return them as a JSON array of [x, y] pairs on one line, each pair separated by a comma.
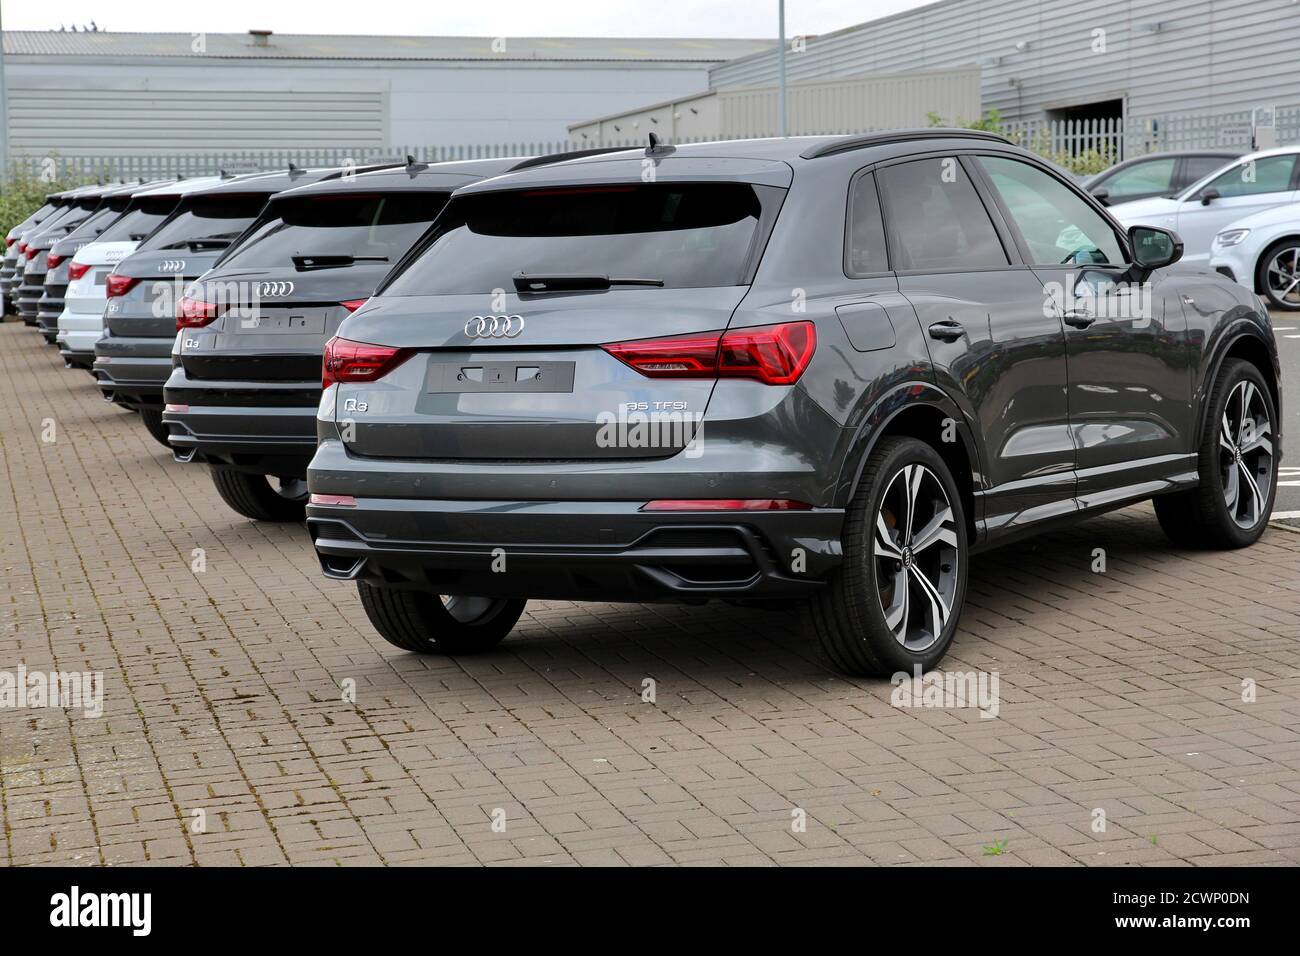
[[1254, 183], [81, 323], [1262, 252]]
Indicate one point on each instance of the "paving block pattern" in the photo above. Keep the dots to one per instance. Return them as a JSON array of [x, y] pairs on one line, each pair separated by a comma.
[[1147, 713]]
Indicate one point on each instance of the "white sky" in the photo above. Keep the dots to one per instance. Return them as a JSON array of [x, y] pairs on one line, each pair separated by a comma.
[[595, 18]]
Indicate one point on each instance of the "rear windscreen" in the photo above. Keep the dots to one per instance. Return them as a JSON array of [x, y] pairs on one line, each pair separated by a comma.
[[685, 235], [205, 222], [327, 231], [140, 219], [97, 222]]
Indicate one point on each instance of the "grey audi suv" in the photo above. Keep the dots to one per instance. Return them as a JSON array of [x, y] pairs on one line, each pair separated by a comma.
[[199, 221], [243, 395], [817, 370]]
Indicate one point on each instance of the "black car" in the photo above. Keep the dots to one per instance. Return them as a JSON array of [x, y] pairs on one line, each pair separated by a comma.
[[820, 370], [36, 243], [1156, 174], [247, 382], [202, 219]]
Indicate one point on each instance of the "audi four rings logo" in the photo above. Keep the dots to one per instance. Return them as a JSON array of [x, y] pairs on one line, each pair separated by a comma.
[[172, 265], [271, 290], [494, 326]]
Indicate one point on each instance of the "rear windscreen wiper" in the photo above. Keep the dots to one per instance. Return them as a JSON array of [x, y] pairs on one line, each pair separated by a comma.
[[574, 283], [307, 263], [195, 245]]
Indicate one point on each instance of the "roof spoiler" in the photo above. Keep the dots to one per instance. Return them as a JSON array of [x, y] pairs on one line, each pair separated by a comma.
[[847, 143]]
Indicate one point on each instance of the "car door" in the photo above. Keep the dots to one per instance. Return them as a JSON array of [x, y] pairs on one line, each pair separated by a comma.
[[1126, 343], [991, 345], [1246, 188]]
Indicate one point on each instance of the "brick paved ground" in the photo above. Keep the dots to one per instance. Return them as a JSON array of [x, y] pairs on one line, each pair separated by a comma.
[[1120, 691]]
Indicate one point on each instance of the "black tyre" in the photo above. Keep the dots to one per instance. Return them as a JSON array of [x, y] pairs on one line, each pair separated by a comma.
[[153, 421], [438, 624], [261, 497], [1277, 275], [1237, 464], [894, 602]]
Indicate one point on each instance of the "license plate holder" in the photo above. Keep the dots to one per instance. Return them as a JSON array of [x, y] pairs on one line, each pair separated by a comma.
[[499, 377]]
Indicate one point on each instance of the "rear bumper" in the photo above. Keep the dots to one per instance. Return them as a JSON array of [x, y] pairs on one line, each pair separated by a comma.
[[131, 371], [576, 550], [260, 427]]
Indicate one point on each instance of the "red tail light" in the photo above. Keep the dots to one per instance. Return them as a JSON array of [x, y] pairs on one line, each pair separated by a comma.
[[10, 240], [53, 259], [347, 361], [195, 313], [22, 247], [31, 253], [353, 304], [771, 354], [78, 269], [119, 285], [725, 504]]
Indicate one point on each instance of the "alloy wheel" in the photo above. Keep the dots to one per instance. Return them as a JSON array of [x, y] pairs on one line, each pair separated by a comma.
[[1283, 276], [1246, 454], [916, 553]]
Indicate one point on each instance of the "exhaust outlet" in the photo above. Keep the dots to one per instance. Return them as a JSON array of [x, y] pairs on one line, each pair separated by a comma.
[[340, 567]]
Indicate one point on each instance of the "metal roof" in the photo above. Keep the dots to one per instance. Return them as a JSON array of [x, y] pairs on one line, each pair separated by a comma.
[[297, 46]]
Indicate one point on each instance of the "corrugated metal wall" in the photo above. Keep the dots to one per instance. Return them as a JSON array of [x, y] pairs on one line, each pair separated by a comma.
[[1164, 56], [141, 117], [872, 102]]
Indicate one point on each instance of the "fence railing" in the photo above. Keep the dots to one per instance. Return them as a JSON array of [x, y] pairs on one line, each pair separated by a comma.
[[1075, 143]]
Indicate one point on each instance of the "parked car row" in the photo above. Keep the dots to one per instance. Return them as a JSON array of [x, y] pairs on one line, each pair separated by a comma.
[[1242, 219], [814, 371]]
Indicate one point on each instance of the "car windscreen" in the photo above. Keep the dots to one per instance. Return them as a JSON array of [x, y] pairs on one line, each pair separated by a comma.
[[206, 222], [680, 235], [327, 231], [141, 218]]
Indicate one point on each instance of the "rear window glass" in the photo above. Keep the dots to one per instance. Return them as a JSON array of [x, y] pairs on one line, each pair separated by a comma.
[[687, 235], [205, 222], [327, 231], [95, 224], [142, 218]]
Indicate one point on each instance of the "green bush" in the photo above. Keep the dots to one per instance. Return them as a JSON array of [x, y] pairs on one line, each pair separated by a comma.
[[22, 194]]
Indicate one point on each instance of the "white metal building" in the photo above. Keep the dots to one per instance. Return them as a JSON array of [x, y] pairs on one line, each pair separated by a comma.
[[149, 94]]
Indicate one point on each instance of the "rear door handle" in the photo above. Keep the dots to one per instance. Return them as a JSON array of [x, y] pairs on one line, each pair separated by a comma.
[[1079, 320], [948, 331]]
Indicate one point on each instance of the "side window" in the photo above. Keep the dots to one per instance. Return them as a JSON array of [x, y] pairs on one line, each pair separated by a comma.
[[865, 242], [936, 218], [1059, 227], [1272, 174], [1156, 176], [1198, 167]]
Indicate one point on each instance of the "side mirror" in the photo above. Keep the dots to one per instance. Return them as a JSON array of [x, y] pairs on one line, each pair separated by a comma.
[[1102, 195], [1153, 248], [1208, 195]]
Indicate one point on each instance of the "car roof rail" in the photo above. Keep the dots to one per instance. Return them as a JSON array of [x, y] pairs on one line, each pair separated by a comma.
[[847, 143], [561, 157]]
